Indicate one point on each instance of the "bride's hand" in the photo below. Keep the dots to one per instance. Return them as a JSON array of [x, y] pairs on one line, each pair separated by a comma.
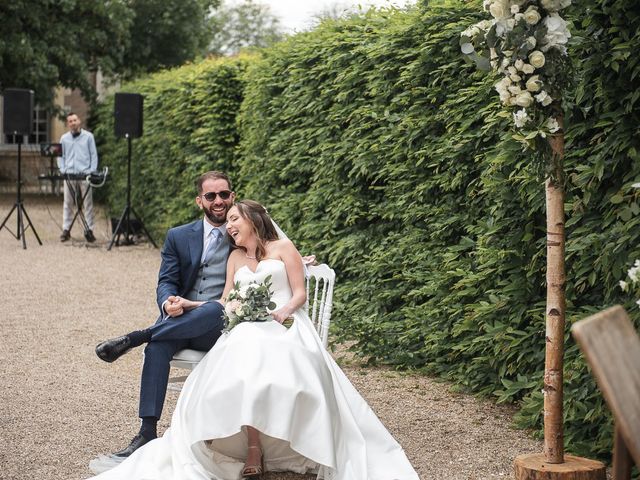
[[280, 315]]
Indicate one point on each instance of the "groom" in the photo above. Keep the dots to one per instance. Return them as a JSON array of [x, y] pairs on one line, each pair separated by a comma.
[[194, 259]]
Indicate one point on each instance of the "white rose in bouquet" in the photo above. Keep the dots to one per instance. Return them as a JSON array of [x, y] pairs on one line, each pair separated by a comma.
[[500, 9], [524, 99], [531, 15], [533, 83], [528, 68], [536, 59], [515, 89]]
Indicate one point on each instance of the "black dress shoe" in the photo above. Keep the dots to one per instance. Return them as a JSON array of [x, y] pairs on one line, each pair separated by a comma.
[[113, 349], [65, 236], [88, 235], [135, 444]]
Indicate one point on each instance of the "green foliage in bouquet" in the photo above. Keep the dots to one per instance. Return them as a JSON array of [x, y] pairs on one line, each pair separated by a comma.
[[248, 303]]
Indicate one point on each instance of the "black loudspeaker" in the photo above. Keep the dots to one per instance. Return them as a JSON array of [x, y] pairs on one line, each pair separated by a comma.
[[128, 115], [17, 113]]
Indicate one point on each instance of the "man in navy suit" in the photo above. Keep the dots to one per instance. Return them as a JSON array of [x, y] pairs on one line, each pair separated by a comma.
[[194, 258]]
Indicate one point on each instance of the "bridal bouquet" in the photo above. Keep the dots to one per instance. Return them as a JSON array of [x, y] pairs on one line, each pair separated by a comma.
[[248, 303]]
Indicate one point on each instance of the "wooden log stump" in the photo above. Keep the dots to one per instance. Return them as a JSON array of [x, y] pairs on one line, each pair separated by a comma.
[[535, 467]]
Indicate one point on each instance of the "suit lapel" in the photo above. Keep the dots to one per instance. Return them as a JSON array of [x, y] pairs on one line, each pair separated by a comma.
[[195, 244]]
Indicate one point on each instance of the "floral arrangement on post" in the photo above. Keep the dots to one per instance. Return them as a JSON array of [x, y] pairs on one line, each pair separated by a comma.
[[634, 281], [525, 42], [249, 303]]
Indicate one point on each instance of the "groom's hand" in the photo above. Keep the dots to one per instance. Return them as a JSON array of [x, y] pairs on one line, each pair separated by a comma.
[[174, 306]]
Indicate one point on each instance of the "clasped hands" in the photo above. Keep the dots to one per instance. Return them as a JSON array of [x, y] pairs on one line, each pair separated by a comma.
[[176, 306]]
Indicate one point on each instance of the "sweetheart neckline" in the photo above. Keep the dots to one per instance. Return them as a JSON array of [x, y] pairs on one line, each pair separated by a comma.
[[258, 266]]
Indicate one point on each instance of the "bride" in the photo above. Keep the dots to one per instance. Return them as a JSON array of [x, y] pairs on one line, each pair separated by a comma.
[[268, 398]]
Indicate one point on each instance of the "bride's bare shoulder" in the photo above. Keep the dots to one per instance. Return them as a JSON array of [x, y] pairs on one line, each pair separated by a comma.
[[279, 248]]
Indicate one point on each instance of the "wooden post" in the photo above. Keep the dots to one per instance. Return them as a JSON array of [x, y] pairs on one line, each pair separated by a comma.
[[553, 464], [555, 310]]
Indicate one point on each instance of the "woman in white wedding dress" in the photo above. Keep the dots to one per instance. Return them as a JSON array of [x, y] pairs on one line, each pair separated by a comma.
[[268, 397]]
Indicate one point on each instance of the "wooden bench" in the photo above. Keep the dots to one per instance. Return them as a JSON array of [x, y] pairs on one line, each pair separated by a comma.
[[612, 348]]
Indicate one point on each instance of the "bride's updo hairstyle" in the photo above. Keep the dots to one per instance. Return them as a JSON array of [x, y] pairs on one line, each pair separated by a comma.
[[261, 222]]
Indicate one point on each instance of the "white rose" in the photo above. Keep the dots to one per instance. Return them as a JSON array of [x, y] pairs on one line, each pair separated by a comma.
[[531, 42], [552, 125], [519, 63], [514, 89], [514, 9], [500, 9], [518, 16], [524, 99], [520, 118], [233, 307], [544, 98], [512, 70], [531, 16], [528, 68], [534, 84], [557, 32], [515, 78], [536, 59]]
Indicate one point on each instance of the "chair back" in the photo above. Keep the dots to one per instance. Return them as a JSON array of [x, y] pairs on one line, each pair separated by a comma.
[[320, 280], [612, 348]]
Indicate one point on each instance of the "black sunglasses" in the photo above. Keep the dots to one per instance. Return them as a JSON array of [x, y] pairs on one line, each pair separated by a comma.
[[211, 196]]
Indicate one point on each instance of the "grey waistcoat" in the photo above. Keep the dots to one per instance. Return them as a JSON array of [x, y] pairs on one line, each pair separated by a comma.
[[210, 280]]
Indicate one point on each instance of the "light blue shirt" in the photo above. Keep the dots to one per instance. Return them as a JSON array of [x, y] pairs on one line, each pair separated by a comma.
[[79, 154]]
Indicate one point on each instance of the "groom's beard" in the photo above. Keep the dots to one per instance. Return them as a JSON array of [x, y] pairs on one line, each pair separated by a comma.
[[215, 218]]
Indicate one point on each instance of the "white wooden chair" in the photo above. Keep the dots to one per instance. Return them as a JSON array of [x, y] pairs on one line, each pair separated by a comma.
[[320, 280]]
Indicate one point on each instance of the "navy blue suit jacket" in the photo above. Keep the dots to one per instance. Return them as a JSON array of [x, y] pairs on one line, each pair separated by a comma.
[[181, 254]]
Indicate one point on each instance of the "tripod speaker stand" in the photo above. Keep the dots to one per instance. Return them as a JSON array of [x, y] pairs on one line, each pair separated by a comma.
[[128, 123], [17, 112]]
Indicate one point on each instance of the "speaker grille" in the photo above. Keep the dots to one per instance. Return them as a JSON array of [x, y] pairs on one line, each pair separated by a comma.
[[17, 112], [128, 115]]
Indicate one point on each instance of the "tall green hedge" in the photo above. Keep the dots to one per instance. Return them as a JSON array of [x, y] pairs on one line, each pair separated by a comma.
[[382, 151], [378, 149], [189, 127]]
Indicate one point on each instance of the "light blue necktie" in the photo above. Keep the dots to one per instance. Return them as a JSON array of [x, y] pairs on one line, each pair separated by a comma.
[[213, 243]]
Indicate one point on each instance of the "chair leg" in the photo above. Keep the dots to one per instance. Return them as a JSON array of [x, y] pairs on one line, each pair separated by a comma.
[[622, 461]]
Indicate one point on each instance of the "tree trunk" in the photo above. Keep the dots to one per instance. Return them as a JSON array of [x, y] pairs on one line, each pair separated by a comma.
[[555, 310]]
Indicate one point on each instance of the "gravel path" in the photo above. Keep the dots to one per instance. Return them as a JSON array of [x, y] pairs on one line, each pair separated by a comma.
[[60, 406]]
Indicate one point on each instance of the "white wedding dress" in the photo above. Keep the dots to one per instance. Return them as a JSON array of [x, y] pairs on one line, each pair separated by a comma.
[[285, 384]]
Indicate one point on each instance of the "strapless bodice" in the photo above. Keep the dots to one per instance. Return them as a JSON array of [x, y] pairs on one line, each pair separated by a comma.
[[279, 280]]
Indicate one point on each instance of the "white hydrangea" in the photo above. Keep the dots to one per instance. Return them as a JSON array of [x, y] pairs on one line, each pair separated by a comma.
[[544, 98], [520, 118], [557, 33], [552, 125]]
